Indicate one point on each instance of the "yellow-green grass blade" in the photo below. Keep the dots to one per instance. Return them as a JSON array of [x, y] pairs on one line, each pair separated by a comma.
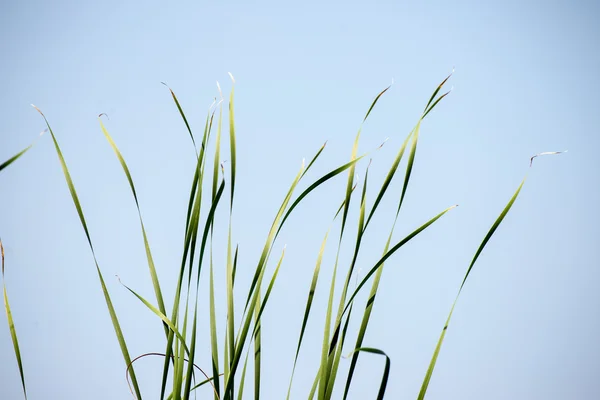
[[264, 301], [414, 134], [257, 341], [330, 370], [486, 239], [389, 177], [395, 248], [207, 226], [436, 91], [260, 268], [272, 233], [187, 125], [217, 159], [111, 310], [19, 154], [192, 224], [386, 370], [311, 294], [14, 158], [323, 369], [316, 184], [11, 323], [310, 164], [366, 317], [310, 299], [151, 267], [213, 330], [232, 147], [435, 103], [313, 388], [326, 372], [334, 358], [242, 381], [204, 382], [160, 315], [335, 354], [353, 156], [410, 163]]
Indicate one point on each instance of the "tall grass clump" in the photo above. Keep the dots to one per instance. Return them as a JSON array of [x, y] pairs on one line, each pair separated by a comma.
[[224, 376]]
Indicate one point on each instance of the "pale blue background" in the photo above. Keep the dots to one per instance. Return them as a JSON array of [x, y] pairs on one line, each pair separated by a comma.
[[526, 81]]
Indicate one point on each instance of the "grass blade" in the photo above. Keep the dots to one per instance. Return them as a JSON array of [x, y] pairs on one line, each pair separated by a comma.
[[151, 267], [19, 154], [111, 310], [485, 241], [11, 322], [386, 371]]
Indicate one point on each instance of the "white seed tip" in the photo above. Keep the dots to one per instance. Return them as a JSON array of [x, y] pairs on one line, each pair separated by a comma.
[[44, 131], [231, 76]]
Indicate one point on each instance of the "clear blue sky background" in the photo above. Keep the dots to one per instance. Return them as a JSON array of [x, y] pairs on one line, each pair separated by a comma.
[[526, 81]]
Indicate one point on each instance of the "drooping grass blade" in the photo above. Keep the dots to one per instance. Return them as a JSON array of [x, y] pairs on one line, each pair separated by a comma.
[[151, 267], [485, 241], [111, 310]]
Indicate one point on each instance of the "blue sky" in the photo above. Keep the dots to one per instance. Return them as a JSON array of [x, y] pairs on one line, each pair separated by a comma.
[[525, 82]]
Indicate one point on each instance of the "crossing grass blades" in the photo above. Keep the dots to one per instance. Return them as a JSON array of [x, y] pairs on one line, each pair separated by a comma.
[[213, 186]]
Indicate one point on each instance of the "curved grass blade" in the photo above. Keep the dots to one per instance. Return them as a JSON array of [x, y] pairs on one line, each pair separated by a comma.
[[151, 267], [487, 237], [160, 315], [11, 322], [204, 382], [386, 371], [415, 136], [111, 310], [316, 184], [391, 252], [335, 352], [187, 125]]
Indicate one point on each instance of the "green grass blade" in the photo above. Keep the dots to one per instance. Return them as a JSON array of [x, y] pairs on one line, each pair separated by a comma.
[[386, 371], [150, 260], [111, 310], [392, 251], [241, 388], [310, 164], [11, 322], [187, 125], [232, 139], [257, 341], [19, 154], [213, 331], [207, 228], [311, 294], [160, 315], [486, 239], [437, 90], [316, 184]]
